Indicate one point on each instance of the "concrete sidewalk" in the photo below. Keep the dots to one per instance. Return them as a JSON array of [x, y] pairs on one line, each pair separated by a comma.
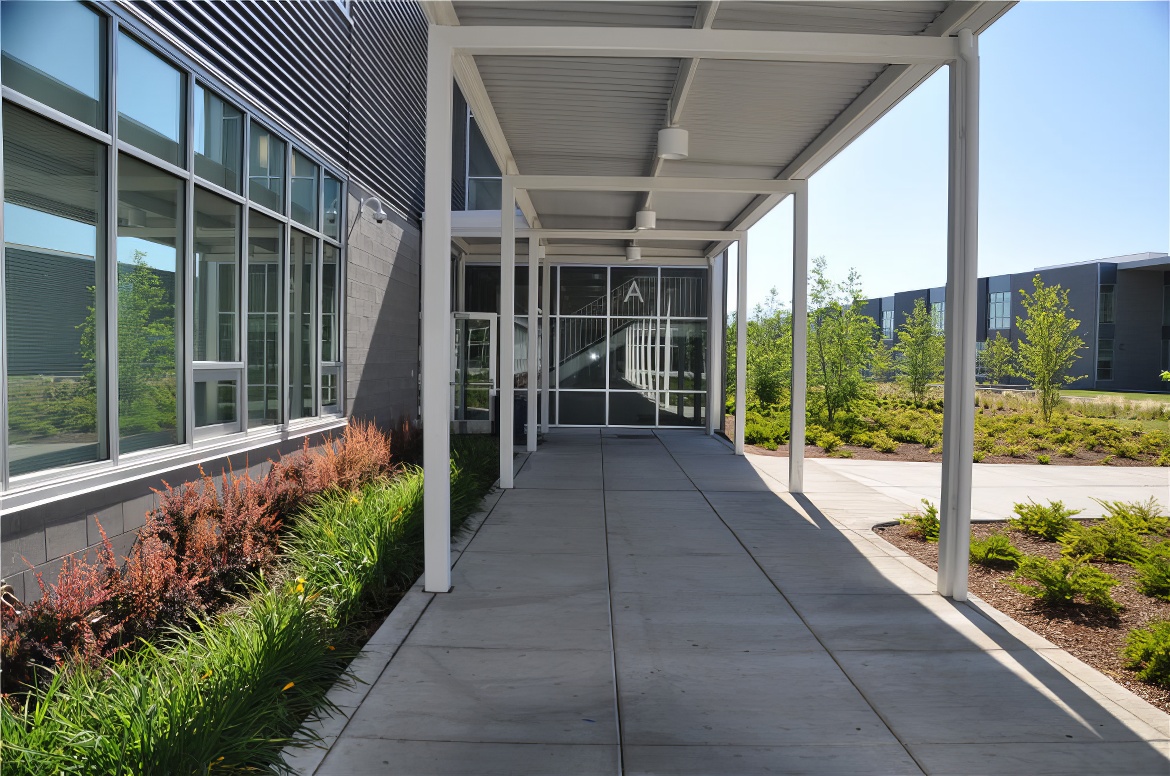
[[648, 603]]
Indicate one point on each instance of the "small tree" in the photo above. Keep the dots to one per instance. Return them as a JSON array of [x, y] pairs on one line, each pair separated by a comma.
[[769, 356], [998, 359], [841, 339], [882, 362], [920, 349], [1050, 343]]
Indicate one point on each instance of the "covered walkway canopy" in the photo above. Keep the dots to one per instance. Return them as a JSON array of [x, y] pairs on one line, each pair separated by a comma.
[[572, 98]]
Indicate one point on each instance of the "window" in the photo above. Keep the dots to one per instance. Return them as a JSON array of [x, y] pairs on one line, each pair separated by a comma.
[[938, 316], [219, 138], [304, 190], [887, 324], [150, 229], [1105, 304], [151, 302], [265, 249], [56, 54], [483, 174], [1105, 359], [150, 102], [999, 310], [266, 169], [54, 242]]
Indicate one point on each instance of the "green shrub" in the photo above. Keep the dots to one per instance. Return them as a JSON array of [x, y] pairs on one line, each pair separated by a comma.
[[1047, 522], [1154, 577], [978, 456], [828, 441], [923, 524], [1148, 651], [1107, 460], [1043, 459], [1057, 582], [1068, 451], [1144, 517], [1109, 540], [996, 550], [812, 432], [883, 443]]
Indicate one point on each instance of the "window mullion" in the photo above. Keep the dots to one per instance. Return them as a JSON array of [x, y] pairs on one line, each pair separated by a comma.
[[3, 330], [243, 321], [286, 294], [186, 387], [107, 335]]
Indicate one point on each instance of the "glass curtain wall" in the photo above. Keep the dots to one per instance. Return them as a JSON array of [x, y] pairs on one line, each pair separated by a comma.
[[630, 346], [134, 242]]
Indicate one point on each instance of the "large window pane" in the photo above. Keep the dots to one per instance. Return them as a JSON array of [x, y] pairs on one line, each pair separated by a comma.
[[685, 356], [330, 304], [631, 409], [583, 291], [150, 102], [215, 399], [266, 169], [331, 203], [304, 190], [683, 409], [55, 53], [634, 355], [581, 408], [302, 326], [219, 139], [150, 228], [634, 291], [684, 293], [264, 344], [216, 277], [54, 251], [582, 352]]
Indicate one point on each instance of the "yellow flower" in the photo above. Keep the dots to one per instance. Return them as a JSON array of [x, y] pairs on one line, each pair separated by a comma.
[[300, 588], [354, 500], [206, 675], [330, 647], [287, 686], [219, 759]]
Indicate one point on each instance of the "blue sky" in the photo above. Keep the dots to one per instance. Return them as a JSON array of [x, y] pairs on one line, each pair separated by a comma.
[[1075, 159]]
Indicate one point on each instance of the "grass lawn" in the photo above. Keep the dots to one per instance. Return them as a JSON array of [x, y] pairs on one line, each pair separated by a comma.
[[1116, 395]]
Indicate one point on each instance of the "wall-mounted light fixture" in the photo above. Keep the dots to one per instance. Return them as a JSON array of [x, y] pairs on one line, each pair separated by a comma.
[[673, 143], [378, 212]]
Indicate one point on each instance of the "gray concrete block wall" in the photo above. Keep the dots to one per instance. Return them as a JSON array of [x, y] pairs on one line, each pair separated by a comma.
[[382, 318], [36, 540]]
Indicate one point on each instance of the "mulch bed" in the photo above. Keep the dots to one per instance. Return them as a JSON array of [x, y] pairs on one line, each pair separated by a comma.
[[1095, 637]]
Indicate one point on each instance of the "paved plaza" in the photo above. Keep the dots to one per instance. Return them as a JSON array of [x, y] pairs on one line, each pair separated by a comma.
[[649, 603]]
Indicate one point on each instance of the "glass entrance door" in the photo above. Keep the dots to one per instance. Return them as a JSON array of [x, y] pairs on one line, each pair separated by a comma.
[[473, 381]]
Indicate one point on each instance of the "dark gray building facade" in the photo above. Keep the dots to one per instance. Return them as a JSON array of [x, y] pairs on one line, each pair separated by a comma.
[[1122, 303], [211, 248]]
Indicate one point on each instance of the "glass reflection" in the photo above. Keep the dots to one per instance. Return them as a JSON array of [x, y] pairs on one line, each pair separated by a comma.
[[331, 202], [302, 308], [215, 401], [304, 190], [684, 293], [55, 53], [216, 274], [219, 137], [54, 251], [150, 221], [264, 299], [150, 102], [266, 169]]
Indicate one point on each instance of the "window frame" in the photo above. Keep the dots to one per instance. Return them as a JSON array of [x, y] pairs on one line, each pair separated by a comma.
[[208, 440]]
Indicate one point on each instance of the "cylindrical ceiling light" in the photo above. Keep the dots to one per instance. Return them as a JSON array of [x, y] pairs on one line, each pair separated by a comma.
[[633, 253], [645, 219], [673, 143]]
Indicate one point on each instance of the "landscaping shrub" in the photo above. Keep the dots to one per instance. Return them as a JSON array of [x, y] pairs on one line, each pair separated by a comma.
[[996, 550], [1109, 540], [1062, 581], [828, 441], [1144, 517], [923, 524], [1047, 522], [883, 443], [1154, 576], [1148, 651], [1043, 459]]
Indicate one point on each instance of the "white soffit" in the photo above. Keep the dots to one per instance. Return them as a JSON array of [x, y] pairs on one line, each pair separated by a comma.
[[605, 13], [903, 17]]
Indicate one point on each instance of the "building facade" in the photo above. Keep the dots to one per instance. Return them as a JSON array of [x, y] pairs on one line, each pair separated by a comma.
[[211, 248], [1122, 303]]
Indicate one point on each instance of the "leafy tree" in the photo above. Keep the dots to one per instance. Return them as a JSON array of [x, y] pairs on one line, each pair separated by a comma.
[[882, 362], [841, 339], [998, 359], [920, 349], [769, 357], [1050, 343]]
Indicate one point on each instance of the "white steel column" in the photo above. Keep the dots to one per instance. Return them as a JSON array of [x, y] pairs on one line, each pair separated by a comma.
[[545, 345], [715, 335], [741, 344], [799, 339], [962, 279], [507, 327], [533, 339], [436, 323]]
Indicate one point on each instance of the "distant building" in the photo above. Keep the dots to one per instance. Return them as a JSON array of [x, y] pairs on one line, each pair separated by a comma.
[[1123, 304]]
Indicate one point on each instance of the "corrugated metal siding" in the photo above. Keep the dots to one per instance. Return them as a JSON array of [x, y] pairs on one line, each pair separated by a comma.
[[580, 116], [353, 89], [903, 17], [577, 14]]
